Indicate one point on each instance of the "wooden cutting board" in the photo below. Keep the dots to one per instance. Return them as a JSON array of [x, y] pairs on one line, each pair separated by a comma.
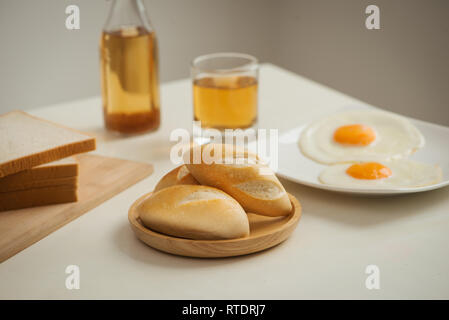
[[100, 179]]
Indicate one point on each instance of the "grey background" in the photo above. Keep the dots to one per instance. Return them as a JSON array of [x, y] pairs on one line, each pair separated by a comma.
[[403, 67]]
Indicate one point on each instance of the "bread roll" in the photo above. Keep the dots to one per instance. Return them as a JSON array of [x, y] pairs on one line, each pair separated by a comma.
[[240, 174], [194, 212], [179, 175]]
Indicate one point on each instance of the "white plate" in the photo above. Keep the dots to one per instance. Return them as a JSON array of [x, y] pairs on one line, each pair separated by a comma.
[[294, 166]]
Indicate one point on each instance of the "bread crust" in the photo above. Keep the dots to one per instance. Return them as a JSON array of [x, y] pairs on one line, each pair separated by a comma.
[[194, 212], [37, 197], [47, 174], [42, 183], [45, 155], [228, 177], [176, 176]]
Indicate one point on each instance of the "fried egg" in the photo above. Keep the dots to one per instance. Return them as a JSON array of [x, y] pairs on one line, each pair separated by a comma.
[[360, 135], [400, 173]]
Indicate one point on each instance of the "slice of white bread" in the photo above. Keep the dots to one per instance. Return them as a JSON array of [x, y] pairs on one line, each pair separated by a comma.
[[57, 171], [194, 212], [179, 175], [37, 197], [240, 174], [27, 141], [34, 184]]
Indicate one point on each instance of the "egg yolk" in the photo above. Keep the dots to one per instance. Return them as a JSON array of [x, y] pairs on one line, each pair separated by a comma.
[[369, 171], [355, 134]]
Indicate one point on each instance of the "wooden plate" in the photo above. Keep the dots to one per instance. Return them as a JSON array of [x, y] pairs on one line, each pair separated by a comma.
[[265, 232]]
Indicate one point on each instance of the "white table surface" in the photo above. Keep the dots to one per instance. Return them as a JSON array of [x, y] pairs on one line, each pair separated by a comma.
[[407, 237]]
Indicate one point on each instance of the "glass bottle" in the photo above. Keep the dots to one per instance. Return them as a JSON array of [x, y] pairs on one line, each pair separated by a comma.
[[129, 69]]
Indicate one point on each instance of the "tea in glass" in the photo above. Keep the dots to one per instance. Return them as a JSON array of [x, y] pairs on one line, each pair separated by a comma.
[[225, 89]]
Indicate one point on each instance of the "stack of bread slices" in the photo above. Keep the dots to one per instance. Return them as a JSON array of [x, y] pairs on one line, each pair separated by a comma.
[[37, 166], [209, 196]]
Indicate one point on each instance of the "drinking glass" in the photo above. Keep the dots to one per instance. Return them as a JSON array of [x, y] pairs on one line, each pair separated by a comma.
[[225, 90]]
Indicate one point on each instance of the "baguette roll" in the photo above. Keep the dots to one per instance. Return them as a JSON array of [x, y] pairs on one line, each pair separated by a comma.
[[179, 175], [240, 174], [194, 212]]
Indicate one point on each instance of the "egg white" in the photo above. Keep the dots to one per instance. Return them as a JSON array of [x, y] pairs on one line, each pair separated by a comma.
[[396, 138], [405, 174]]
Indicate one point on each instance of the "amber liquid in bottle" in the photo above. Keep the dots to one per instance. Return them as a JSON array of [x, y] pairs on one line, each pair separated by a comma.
[[130, 82], [225, 102]]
